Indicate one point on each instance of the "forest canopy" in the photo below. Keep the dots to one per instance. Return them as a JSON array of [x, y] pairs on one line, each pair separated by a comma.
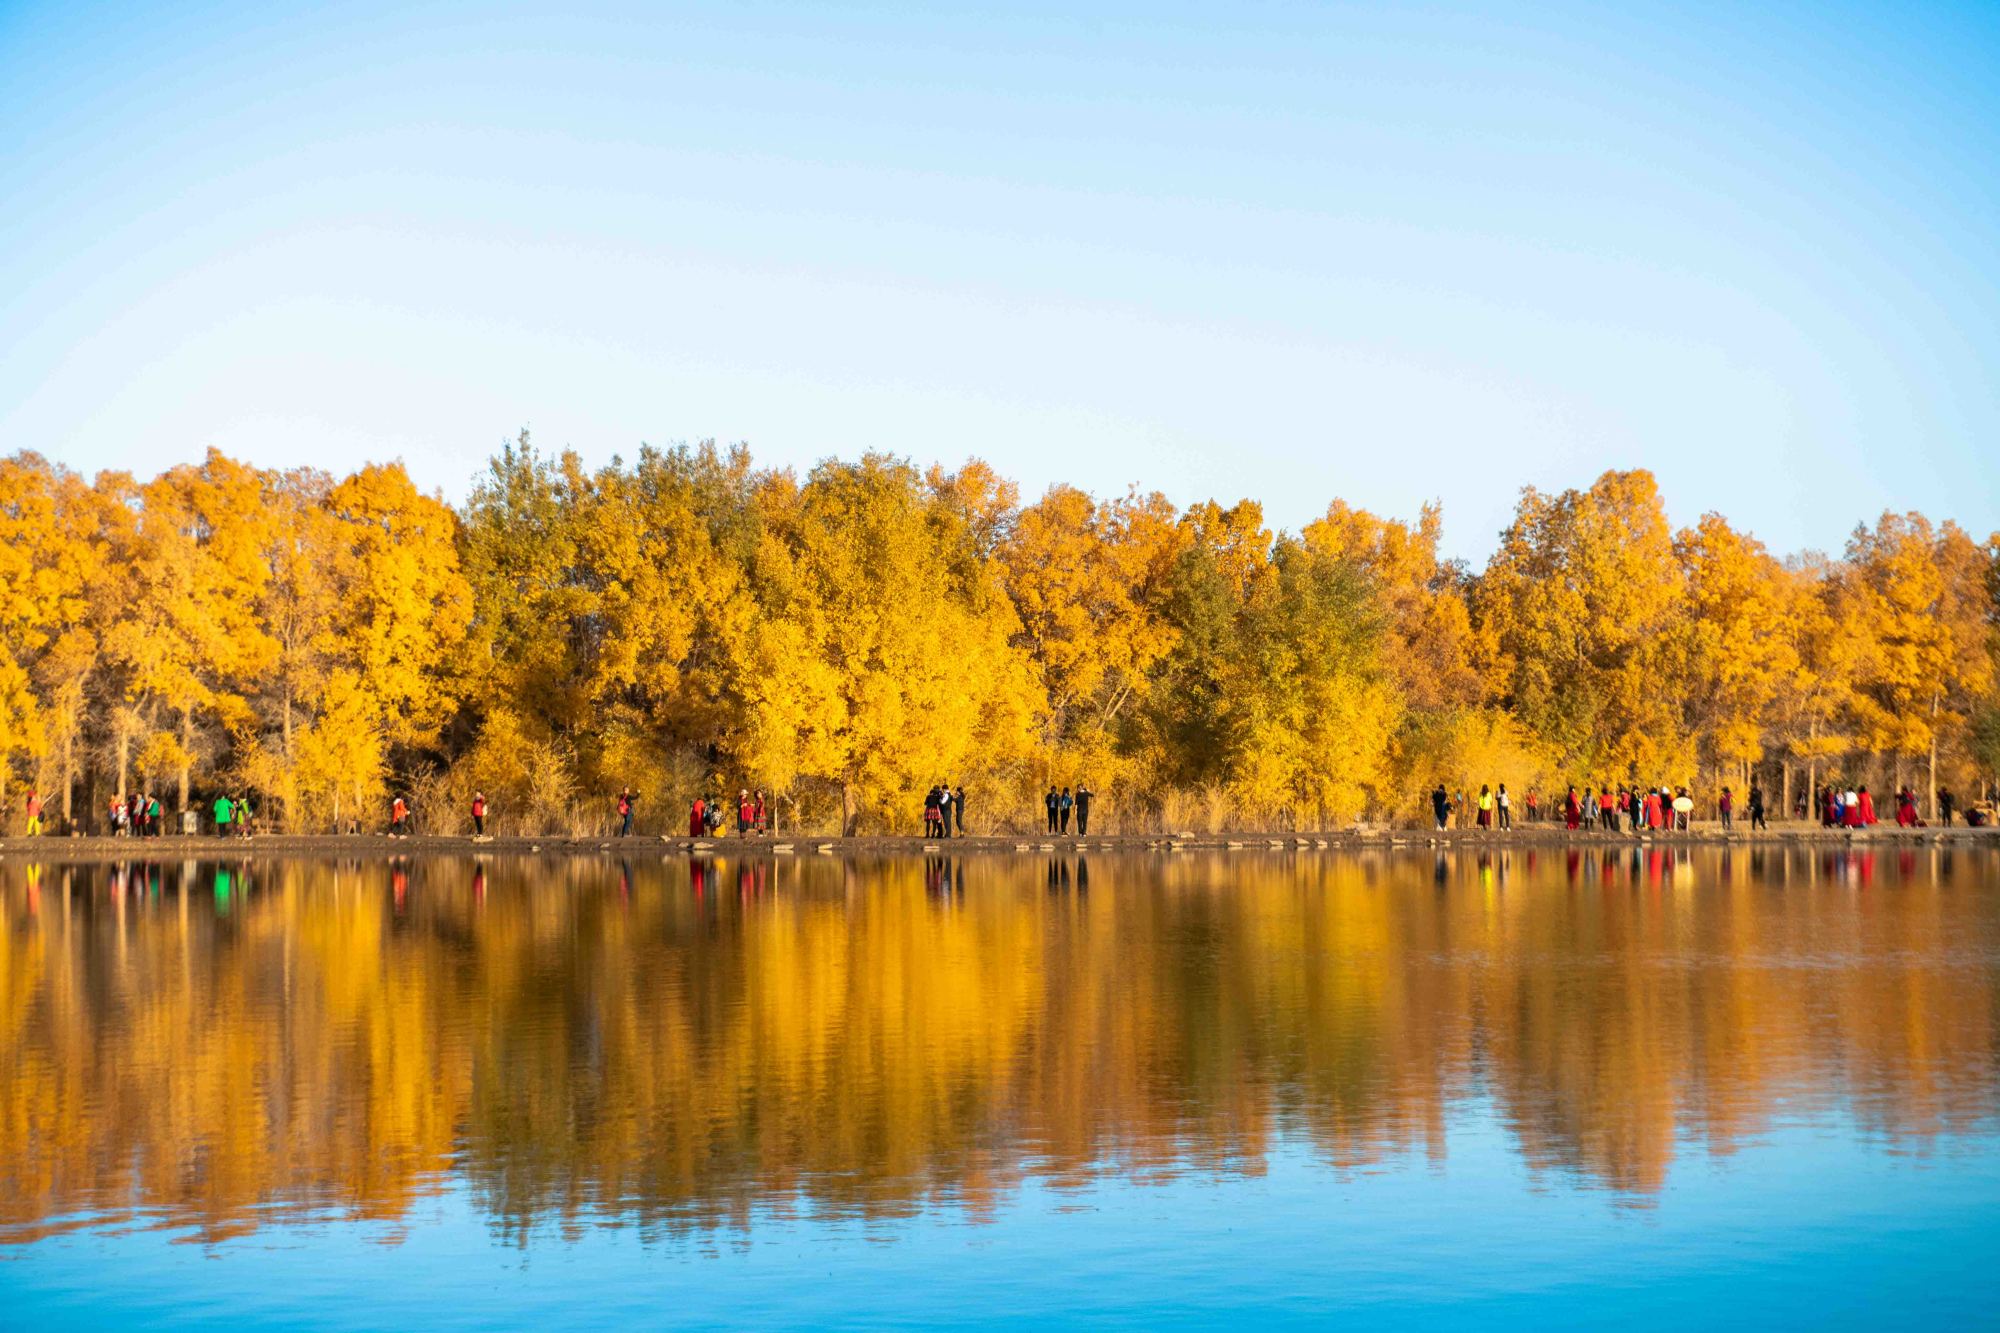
[[689, 622]]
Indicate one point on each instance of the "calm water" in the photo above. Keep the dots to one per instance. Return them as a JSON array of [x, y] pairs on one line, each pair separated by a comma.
[[1652, 1087]]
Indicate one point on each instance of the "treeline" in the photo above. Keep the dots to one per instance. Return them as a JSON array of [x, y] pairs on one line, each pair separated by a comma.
[[688, 622]]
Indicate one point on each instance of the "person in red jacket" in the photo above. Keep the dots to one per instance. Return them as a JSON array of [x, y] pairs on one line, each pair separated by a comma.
[[478, 814], [1867, 807], [698, 818]]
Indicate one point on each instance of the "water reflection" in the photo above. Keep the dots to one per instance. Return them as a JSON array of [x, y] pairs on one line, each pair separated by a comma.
[[671, 1043]]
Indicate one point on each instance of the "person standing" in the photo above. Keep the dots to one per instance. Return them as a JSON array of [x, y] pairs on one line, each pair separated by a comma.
[[153, 816], [1867, 807], [223, 812], [944, 809], [1572, 808], [1440, 806], [958, 808], [1505, 807], [1083, 795], [399, 812], [625, 800], [1068, 804], [1053, 802], [1757, 808], [34, 809], [1945, 806], [760, 816], [697, 818], [479, 814], [1725, 807]]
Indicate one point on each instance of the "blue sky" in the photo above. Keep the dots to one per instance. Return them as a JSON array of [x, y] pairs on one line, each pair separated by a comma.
[[1291, 252]]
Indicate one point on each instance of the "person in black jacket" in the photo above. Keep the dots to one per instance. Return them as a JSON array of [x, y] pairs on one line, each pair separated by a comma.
[[1052, 801], [958, 808], [1083, 795]]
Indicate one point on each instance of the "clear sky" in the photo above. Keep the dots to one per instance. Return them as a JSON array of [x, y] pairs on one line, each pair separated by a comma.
[[1291, 252]]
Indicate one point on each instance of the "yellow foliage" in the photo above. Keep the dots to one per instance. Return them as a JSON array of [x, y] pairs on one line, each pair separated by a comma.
[[687, 623]]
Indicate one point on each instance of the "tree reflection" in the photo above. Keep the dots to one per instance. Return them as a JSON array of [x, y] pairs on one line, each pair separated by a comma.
[[673, 1043]]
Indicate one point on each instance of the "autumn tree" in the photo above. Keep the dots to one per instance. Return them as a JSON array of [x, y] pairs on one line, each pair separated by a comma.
[[877, 668], [1584, 601], [1924, 597], [1743, 642], [1088, 580]]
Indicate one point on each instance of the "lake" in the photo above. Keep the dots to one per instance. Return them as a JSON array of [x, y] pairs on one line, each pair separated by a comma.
[[1657, 1086]]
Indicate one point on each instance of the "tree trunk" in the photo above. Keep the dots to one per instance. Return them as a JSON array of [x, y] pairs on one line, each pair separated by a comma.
[[68, 775], [850, 810], [187, 752], [1785, 777], [1930, 810]]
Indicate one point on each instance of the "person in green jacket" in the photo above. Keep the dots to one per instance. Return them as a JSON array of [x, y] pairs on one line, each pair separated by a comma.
[[223, 813]]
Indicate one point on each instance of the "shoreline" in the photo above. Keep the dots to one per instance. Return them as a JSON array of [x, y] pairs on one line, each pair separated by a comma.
[[46, 849]]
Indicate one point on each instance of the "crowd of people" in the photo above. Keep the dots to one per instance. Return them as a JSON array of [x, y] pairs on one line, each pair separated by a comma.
[[1626, 808], [1853, 808], [1633, 809]]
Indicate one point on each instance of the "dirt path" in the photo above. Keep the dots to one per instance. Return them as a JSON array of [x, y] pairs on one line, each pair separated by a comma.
[[48, 849]]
